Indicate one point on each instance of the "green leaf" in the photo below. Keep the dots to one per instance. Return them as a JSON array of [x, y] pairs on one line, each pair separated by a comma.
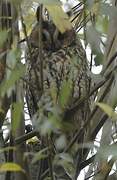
[[50, 2], [7, 149], [15, 75], [66, 157], [64, 160], [102, 24], [3, 37], [13, 57], [50, 124], [17, 113], [11, 167], [46, 127], [95, 8], [40, 155], [90, 3], [98, 59], [17, 3], [57, 14], [108, 110], [105, 151], [93, 38], [107, 10], [61, 142], [1, 111], [32, 140], [65, 93]]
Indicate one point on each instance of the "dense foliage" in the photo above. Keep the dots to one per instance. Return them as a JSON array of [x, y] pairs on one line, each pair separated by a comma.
[[41, 145]]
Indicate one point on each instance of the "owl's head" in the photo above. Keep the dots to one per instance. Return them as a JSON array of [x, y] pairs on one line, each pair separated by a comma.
[[52, 38]]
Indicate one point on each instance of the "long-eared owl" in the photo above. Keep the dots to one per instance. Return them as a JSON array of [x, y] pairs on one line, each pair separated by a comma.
[[64, 64], [65, 80]]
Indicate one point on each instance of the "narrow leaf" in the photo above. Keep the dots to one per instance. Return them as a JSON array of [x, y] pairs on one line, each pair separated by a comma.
[[108, 110], [14, 76], [50, 2], [3, 37], [40, 155], [57, 14], [65, 93], [11, 167], [17, 113], [60, 18], [66, 157], [7, 149]]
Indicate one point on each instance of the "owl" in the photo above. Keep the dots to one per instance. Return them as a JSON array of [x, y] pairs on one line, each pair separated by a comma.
[[65, 79], [64, 59]]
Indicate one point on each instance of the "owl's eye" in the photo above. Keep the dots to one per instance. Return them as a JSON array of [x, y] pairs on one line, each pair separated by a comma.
[[45, 36]]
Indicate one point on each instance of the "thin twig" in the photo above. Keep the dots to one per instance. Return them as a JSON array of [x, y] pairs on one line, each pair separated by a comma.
[[81, 25], [75, 17], [87, 162], [25, 32], [40, 59], [77, 6], [40, 168], [25, 137], [44, 174], [23, 79], [93, 175], [50, 159], [91, 62], [109, 62]]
